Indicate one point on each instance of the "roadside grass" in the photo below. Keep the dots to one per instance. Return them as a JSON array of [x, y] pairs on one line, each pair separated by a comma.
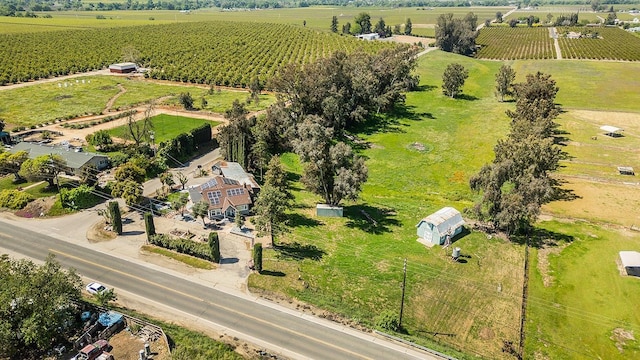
[[588, 298], [189, 343], [57, 209], [185, 259], [166, 127], [351, 267]]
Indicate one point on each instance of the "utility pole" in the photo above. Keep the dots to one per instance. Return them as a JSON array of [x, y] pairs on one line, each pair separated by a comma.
[[55, 171], [404, 283]]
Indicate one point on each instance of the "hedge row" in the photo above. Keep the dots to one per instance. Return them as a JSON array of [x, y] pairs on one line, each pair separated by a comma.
[[199, 250], [186, 144]]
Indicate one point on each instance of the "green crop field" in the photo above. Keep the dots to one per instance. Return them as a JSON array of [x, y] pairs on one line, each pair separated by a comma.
[[317, 17], [352, 267], [166, 127], [607, 44], [506, 43]]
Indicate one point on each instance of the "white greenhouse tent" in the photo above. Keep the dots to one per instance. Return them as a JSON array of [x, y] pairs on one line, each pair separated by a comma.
[[611, 130], [631, 262]]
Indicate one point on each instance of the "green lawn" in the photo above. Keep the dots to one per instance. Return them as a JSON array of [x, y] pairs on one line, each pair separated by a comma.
[[219, 101], [167, 127], [7, 183]]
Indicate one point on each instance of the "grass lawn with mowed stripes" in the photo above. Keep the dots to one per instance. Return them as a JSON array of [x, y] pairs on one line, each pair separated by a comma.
[[166, 127]]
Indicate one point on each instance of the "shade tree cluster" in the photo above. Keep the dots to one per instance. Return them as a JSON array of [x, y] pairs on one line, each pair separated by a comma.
[[35, 308], [519, 180], [362, 25], [457, 35]]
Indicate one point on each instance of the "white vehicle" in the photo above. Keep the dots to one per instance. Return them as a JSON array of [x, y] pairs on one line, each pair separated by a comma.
[[94, 288]]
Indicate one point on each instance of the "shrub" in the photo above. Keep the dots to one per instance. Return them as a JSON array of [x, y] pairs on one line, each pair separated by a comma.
[[14, 199], [116, 217], [81, 197], [388, 320]]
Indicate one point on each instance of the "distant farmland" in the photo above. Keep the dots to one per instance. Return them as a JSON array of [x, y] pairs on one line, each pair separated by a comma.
[[599, 44], [521, 43], [505, 43]]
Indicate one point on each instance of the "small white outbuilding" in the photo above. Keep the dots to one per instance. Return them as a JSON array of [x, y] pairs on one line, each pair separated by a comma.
[[437, 227], [631, 262]]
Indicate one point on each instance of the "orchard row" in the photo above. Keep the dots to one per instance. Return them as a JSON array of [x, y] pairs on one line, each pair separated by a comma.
[[220, 53]]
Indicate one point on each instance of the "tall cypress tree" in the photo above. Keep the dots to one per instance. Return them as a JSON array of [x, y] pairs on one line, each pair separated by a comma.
[[149, 225], [116, 217], [214, 244], [257, 257]]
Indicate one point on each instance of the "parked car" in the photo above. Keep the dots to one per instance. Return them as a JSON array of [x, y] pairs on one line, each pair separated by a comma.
[[94, 288], [188, 218]]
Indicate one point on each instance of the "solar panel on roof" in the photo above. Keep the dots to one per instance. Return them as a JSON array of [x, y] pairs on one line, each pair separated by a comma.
[[214, 197], [209, 184], [234, 192], [229, 181]]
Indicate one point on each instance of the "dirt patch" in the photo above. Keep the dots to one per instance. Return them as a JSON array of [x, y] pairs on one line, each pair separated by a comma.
[[408, 39], [419, 147], [621, 336], [625, 120], [98, 232], [610, 203], [37, 208], [127, 346], [486, 333]]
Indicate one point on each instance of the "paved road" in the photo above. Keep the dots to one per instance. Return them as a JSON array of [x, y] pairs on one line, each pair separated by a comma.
[[293, 334]]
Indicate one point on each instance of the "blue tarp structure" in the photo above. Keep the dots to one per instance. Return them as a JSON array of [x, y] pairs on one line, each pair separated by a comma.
[[109, 318], [86, 315]]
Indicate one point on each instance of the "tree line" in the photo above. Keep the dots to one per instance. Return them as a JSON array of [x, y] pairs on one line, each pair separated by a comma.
[[362, 25], [520, 179]]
